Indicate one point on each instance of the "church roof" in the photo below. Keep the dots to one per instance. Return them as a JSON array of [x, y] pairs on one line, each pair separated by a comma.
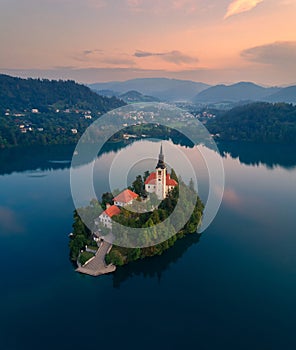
[[151, 180], [112, 210], [126, 196], [170, 182]]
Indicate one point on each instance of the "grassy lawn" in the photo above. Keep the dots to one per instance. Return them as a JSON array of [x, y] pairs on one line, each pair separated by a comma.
[[84, 257], [93, 247]]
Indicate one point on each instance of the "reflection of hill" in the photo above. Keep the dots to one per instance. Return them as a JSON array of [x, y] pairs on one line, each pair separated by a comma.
[[268, 154], [59, 156], [50, 157], [155, 266], [35, 158]]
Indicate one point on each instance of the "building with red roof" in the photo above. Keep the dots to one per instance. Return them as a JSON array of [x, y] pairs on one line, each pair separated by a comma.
[[125, 198], [160, 181], [106, 217]]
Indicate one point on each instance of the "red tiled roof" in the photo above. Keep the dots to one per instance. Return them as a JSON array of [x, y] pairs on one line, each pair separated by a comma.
[[151, 179], [126, 196], [170, 182], [111, 211]]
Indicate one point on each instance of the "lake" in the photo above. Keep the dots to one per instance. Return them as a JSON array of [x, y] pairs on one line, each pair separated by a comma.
[[233, 287]]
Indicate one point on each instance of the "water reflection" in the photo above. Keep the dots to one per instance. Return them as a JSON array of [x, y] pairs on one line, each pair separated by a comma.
[[41, 158], [9, 221], [270, 155], [155, 266], [58, 157]]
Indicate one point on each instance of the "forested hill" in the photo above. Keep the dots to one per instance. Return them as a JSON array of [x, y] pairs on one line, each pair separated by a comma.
[[257, 122], [18, 94], [42, 112]]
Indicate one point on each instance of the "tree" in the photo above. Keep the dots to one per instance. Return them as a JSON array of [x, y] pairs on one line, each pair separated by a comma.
[[138, 186], [146, 175], [115, 258], [174, 175], [76, 245], [134, 254], [191, 186], [107, 198]]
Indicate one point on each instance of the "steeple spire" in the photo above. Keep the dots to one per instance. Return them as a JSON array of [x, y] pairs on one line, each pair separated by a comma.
[[160, 163]]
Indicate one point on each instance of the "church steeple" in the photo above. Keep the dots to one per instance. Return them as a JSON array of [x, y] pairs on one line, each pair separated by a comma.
[[159, 182], [160, 164]]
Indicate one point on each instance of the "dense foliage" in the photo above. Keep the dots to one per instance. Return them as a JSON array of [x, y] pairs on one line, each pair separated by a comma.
[[18, 94], [120, 256], [80, 237], [257, 122], [34, 111], [85, 256], [41, 129]]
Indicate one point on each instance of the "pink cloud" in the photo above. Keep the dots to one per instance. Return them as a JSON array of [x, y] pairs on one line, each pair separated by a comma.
[[239, 6]]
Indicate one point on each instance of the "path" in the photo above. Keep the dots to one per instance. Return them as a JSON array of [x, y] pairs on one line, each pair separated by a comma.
[[97, 266]]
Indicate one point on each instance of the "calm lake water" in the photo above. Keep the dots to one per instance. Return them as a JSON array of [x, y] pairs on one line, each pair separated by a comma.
[[234, 288]]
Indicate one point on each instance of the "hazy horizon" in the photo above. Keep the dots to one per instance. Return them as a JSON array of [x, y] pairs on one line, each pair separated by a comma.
[[63, 76]]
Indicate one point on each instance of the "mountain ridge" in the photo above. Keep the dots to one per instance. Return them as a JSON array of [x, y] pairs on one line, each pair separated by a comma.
[[241, 91], [287, 94], [162, 88]]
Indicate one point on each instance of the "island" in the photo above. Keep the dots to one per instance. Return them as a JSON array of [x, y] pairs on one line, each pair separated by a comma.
[[150, 200]]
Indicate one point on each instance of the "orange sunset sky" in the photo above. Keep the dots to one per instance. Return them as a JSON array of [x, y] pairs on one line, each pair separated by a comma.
[[218, 41]]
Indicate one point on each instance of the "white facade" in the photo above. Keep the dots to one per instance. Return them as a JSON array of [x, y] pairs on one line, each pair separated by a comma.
[[150, 188], [160, 187], [122, 204], [105, 220]]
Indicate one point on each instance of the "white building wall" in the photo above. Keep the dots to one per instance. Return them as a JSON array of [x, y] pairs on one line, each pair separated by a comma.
[[150, 188], [121, 204], [105, 220], [160, 183]]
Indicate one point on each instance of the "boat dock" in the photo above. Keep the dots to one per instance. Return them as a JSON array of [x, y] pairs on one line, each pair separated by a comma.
[[97, 265]]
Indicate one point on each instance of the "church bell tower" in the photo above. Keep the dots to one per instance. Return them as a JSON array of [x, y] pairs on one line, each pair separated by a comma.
[[161, 176]]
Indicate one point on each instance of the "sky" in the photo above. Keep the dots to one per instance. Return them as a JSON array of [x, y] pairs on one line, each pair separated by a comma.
[[217, 41]]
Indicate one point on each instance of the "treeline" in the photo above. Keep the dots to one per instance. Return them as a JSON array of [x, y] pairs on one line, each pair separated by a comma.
[[18, 94], [257, 122]]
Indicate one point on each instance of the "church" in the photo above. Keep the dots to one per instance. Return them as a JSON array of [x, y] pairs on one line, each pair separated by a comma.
[[160, 182]]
